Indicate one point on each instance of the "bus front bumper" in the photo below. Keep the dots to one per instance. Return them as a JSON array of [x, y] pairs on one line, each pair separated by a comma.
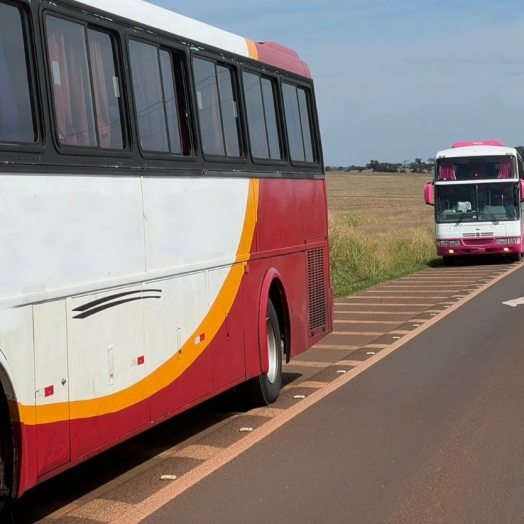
[[487, 249]]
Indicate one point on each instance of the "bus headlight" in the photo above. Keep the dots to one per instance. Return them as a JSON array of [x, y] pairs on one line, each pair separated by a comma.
[[512, 240], [442, 243]]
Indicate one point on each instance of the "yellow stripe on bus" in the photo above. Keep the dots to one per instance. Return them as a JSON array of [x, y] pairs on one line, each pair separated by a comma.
[[252, 49], [173, 368]]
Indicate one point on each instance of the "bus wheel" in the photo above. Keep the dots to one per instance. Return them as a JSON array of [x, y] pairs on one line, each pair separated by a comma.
[[447, 261], [265, 389], [515, 257], [6, 461]]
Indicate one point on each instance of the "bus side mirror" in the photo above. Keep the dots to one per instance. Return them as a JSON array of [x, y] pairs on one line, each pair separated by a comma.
[[429, 197], [521, 185]]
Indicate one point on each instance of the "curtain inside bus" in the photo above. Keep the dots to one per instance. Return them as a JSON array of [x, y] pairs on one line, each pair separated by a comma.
[[100, 88], [9, 122], [504, 170], [74, 115], [446, 172]]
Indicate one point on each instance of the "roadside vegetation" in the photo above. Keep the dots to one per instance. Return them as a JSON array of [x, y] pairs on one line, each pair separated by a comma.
[[380, 229]]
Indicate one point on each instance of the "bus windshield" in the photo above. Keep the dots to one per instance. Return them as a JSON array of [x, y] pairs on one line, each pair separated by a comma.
[[476, 168], [477, 202]]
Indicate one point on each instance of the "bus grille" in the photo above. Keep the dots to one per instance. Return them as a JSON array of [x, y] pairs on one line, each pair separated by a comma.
[[317, 290], [477, 241]]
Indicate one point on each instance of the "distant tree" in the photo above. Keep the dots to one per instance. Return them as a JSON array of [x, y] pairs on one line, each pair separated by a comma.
[[417, 166], [328, 168], [520, 150]]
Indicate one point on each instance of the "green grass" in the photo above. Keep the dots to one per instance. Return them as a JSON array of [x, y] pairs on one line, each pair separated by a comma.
[[364, 256]]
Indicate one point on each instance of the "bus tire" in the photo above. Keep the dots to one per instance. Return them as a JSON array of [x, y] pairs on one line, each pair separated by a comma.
[[448, 261], [6, 460], [265, 389], [515, 257]]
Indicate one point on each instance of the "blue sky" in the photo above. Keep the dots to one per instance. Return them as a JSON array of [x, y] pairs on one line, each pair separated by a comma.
[[395, 79]]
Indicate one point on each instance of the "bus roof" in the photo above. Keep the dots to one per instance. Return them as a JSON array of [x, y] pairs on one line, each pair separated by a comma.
[[142, 13], [476, 150]]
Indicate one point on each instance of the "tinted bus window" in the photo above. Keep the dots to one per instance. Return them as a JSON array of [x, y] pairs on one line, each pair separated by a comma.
[[298, 123], [107, 90], [155, 98], [270, 111], [173, 124], [255, 116], [217, 108], [228, 108], [261, 117], [85, 86], [16, 115]]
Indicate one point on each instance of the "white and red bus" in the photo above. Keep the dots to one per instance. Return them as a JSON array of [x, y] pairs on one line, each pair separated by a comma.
[[163, 219], [477, 197]]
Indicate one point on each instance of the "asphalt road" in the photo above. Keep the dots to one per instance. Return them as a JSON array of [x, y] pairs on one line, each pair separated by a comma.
[[433, 433]]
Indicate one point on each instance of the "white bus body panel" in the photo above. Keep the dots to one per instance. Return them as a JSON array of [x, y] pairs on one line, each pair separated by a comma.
[[73, 240], [452, 231]]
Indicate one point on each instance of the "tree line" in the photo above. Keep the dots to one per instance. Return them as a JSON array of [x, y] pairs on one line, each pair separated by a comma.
[[416, 166]]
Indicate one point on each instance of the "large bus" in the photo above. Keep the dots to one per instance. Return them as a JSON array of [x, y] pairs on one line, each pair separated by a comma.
[[163, 219], [477, 197]]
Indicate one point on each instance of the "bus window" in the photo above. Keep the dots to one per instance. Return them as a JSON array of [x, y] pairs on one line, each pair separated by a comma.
[[261, 117], [298, 123], [85, 85], [156, 98], [217, 108], [16, 115], [170, 101], [107, 90], [270, 110]]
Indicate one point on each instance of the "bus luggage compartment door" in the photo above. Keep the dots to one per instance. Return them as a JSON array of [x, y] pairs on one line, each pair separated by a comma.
[[52, 386]]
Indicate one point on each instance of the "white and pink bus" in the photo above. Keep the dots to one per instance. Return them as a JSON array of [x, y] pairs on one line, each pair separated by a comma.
[[477, 194]]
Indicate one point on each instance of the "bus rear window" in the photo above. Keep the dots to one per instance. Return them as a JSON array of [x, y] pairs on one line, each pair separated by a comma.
[[298, 123], [16, 114]]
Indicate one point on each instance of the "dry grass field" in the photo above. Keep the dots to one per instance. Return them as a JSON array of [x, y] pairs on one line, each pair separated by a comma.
[[380, 228]]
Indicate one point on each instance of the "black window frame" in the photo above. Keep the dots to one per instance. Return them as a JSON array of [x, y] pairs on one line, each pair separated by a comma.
[[180, 66], [279, 107], [38, 146], [520, 167], [233, 66], [87, 22], [313, 122]]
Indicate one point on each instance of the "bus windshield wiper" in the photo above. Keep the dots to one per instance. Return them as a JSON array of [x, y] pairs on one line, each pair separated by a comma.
[[460, 218], [490, 212]]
